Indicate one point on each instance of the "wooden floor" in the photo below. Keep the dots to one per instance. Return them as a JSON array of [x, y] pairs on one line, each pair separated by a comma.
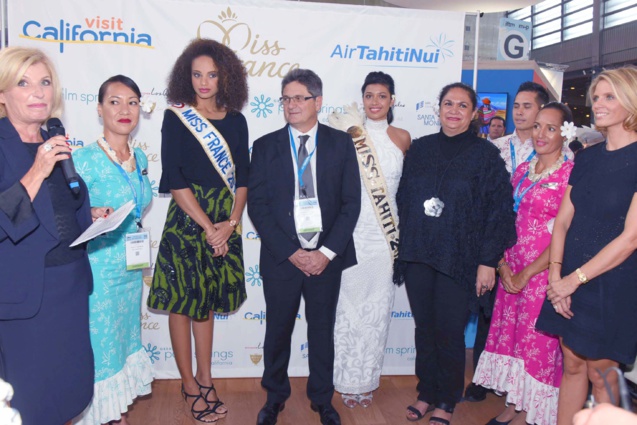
[[245, 397]]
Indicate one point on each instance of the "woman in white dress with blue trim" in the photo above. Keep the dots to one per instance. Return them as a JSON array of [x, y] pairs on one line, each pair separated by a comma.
[[367, 291]]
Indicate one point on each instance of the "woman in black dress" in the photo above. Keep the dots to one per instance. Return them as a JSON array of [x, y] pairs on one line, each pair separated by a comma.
[[592, 264], [205, 160], [456, 219]]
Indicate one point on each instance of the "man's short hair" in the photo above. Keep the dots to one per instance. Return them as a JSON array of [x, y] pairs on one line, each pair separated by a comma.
[[498, 117], [541, 94], [307, 77]]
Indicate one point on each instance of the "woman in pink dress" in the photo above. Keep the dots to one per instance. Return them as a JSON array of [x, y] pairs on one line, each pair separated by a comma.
[[518, 360]]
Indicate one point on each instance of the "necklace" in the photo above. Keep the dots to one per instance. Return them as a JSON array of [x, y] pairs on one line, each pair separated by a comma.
[[434, 206], [129, 164], [535, 177]]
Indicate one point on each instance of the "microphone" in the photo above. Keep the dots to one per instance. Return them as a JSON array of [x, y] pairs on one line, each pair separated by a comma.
[[55, 128]]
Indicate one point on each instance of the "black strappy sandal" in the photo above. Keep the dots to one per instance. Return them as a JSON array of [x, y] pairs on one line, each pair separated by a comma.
[[213, 404], [199, 415], [447, 408], [417, 414]]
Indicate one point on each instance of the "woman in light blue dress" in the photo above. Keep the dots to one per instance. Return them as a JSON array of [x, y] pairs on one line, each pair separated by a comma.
[[115, 174]]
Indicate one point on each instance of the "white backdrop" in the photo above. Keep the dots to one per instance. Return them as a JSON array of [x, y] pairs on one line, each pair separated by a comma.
[[91, 40]]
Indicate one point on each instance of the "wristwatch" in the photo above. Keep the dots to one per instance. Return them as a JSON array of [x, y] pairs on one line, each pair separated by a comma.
[[581, 276], [233, 223]]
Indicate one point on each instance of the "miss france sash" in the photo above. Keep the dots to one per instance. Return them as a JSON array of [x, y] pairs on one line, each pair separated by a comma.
[[211, 141], [371, 173]]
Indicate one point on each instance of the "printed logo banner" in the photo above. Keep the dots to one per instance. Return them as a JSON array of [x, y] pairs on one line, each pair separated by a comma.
[[91, 40]]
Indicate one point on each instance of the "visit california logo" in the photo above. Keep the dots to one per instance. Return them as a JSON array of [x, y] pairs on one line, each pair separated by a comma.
[[93, 30]]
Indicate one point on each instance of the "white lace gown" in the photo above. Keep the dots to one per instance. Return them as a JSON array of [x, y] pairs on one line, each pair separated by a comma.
[[367, 290]]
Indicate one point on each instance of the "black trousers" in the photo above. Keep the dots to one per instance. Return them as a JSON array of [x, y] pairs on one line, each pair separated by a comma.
[[484, 323], [440, 307], [282, 299]]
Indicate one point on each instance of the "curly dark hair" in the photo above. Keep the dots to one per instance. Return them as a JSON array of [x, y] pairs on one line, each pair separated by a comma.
[[232, 76]]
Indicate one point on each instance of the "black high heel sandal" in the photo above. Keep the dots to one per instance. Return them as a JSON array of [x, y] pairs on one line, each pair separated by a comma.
[[199, 415], [417, 415], [213, 404], [447, 408]]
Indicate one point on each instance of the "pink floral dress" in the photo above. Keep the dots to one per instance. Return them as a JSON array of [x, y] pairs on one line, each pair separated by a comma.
[[519, 360]]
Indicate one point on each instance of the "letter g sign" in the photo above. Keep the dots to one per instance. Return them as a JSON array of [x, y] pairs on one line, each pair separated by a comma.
[[513, 42], [514, 46]]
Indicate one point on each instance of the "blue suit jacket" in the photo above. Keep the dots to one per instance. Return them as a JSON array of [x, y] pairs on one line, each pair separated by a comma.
[[271, 199], [27, 229]]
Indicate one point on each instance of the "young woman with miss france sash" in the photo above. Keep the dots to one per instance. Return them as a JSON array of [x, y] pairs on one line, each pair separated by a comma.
[[205, 162]]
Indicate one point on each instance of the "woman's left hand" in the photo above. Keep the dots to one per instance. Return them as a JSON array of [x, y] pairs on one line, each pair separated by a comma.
[[97, 212], [563, 307], [221, 251], [222, 234], [519, 282], [485, 279], [560, 289]]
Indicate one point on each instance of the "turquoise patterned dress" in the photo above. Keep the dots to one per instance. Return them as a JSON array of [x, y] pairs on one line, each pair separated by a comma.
[[123, 370]]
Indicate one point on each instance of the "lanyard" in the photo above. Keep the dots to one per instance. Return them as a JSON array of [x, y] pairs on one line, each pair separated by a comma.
[[138, 201], [301, 169], [517, 196], [514, 164]]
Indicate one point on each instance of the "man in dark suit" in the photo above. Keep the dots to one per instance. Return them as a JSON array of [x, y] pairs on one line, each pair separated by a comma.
[[304, 200]]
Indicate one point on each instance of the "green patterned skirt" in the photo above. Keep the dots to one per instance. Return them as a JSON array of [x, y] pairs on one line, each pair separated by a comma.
[[188, 279]]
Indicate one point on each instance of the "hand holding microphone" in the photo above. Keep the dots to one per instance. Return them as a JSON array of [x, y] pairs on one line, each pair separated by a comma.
[[55, 128], [51, 152]]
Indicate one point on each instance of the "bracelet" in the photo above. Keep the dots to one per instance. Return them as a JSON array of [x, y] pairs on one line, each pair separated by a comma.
[[502, 264], [554, 262]]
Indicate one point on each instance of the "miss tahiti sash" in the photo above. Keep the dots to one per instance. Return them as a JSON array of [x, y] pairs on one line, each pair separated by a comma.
[[211, 141], [371, 173]]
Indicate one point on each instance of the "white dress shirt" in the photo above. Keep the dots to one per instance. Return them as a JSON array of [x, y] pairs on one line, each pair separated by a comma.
[[310, 145]]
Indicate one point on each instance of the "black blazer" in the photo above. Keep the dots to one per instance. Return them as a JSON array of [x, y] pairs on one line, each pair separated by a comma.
[[271, 199], [27, 229]]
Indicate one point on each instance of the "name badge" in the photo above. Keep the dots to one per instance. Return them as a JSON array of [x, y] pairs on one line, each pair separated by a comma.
[[307, 215], [138, 250]]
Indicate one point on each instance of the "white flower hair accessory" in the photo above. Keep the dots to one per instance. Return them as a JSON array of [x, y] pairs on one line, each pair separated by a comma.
[[147, 104], [569, 131]]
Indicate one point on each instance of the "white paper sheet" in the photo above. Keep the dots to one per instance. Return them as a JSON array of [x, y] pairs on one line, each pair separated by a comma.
[[104, 225]]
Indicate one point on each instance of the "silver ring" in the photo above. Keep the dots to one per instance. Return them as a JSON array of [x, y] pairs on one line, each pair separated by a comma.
[[485, 287], [47, 147]]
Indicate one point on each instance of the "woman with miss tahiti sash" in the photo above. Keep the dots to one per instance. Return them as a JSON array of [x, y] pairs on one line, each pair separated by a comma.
[[367, 290], [205, 160]]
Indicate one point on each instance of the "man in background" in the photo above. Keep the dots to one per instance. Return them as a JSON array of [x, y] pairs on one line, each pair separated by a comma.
[[497, 127]]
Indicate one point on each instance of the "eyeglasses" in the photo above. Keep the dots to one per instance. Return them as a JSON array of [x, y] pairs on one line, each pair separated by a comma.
[[284, 100]]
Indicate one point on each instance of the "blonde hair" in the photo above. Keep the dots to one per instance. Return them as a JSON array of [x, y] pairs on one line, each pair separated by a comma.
[[14, 62], [623, 82]]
